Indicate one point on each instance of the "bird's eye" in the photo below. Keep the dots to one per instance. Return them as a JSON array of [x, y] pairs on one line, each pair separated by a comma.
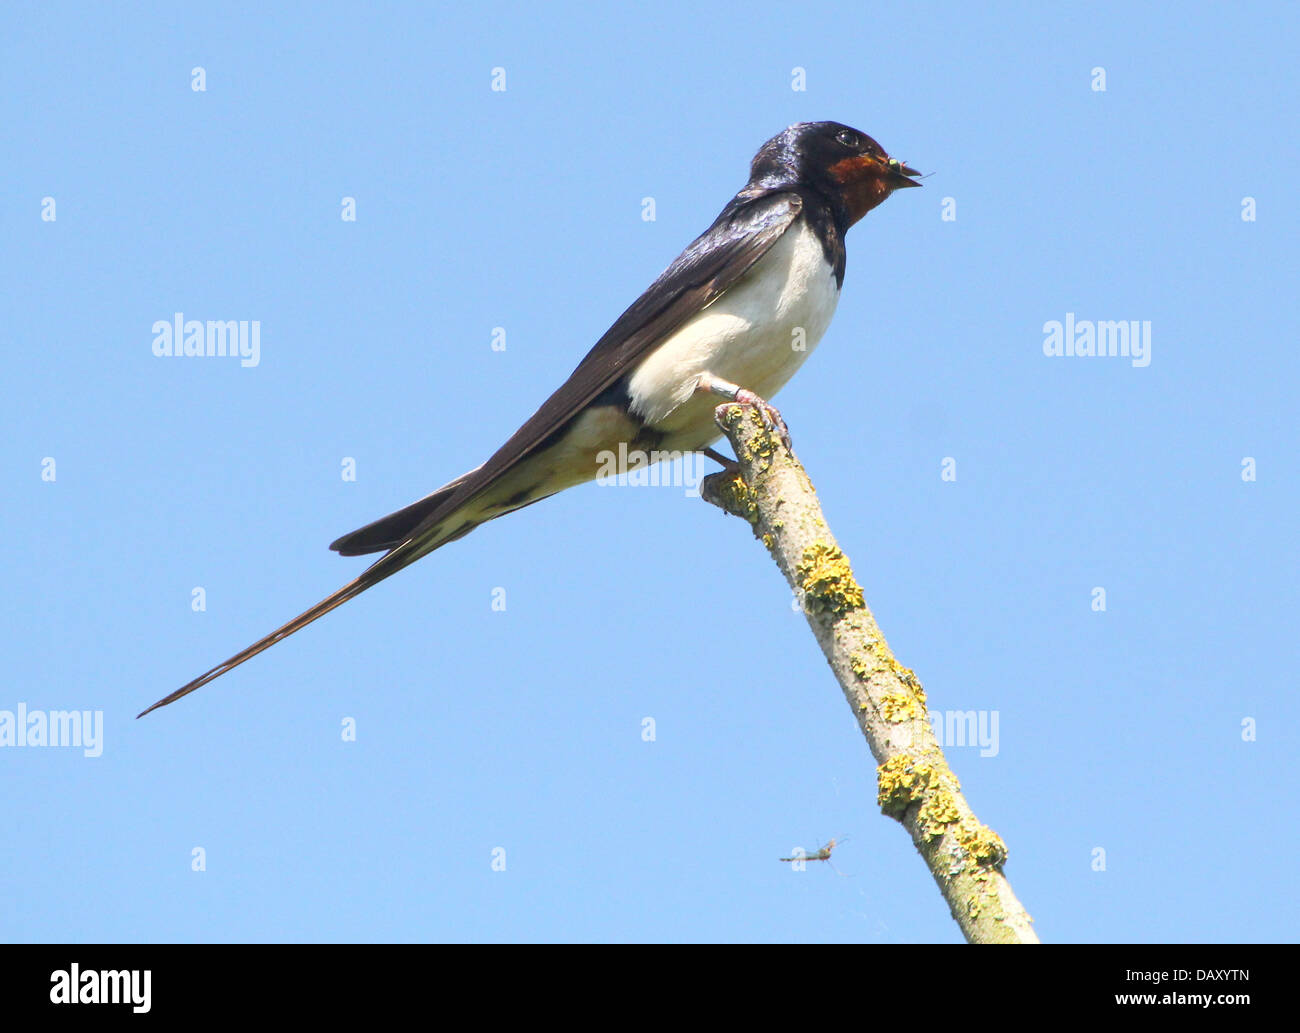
[[847, 138]]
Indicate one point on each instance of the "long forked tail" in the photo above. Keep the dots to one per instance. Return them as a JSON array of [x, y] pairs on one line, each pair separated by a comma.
[[403, 555]]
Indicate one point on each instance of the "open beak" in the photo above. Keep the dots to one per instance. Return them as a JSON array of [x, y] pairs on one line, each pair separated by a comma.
[[901, 175], [865, 180]]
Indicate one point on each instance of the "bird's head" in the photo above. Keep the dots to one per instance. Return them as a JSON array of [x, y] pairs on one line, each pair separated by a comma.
[[844, 165]]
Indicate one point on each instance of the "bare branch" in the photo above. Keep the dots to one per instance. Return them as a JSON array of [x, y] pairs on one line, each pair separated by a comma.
[[771, 491]]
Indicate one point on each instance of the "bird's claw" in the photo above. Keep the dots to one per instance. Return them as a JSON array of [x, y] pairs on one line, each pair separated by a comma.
[[768, 413], [729, 465]]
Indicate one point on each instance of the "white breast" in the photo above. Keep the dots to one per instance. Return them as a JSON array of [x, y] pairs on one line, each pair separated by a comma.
[[754, 335]]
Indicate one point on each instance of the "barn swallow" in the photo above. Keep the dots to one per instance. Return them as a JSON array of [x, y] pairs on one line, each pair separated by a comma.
[[720, 322]]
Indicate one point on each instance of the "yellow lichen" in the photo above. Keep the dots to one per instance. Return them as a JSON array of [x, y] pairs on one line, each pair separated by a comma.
[[881, 660], [897, 707], [902, 781], [909, 678], [739, 498], [937, 813], [761, 446], [983, 846], [827, 579]]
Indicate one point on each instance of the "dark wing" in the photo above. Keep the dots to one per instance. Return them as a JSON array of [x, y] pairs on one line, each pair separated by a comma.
[[744, 232]]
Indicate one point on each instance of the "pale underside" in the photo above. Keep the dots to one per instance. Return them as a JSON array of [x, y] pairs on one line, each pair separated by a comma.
[[755, 335]]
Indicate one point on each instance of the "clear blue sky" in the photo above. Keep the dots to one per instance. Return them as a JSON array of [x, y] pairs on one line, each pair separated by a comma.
[[479, 729]]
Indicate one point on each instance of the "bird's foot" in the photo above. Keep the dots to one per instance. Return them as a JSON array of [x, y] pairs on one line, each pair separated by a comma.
[[767, 412], [728, 464]]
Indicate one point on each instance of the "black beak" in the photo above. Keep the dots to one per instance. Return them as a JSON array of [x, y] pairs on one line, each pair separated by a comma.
[[903, 175]]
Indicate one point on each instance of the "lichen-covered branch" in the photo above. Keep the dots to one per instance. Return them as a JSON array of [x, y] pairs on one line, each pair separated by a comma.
[[771, 491]]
